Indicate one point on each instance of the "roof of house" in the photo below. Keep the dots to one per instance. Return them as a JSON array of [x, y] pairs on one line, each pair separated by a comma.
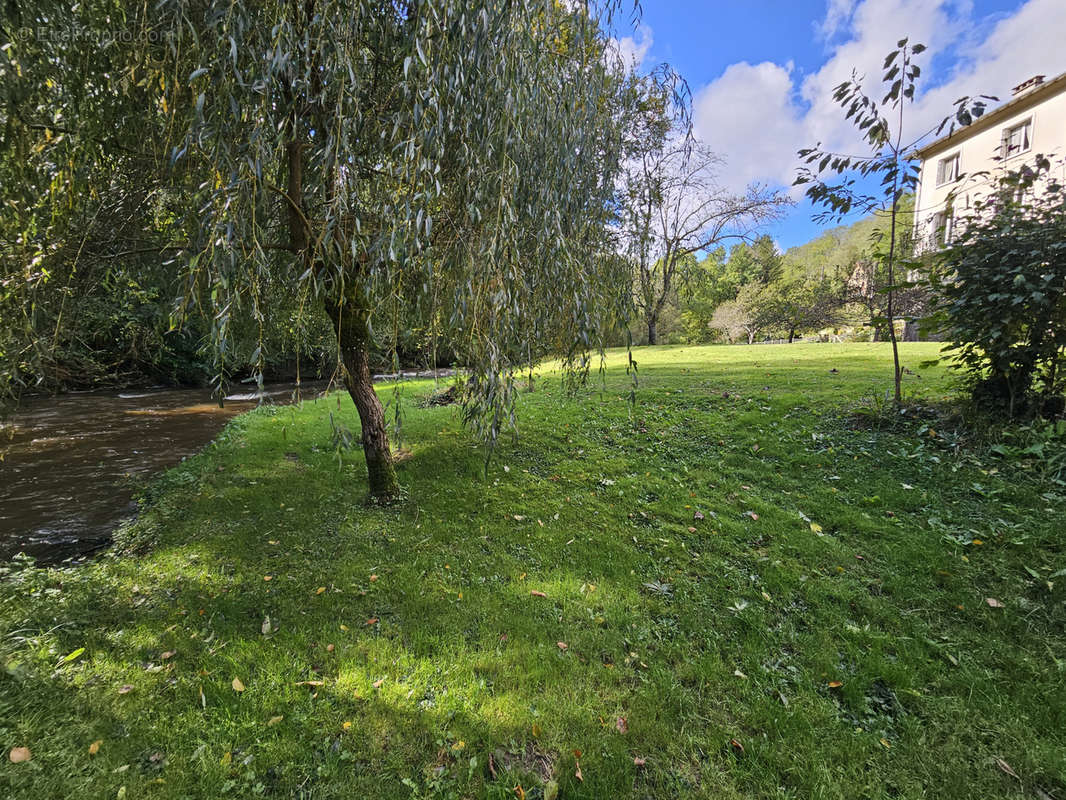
[[1020, 102]]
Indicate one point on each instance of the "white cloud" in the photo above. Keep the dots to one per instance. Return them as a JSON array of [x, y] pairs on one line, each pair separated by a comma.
[[632, 51], [758, 116], [747, 116], [1024, 44], [837, 15]]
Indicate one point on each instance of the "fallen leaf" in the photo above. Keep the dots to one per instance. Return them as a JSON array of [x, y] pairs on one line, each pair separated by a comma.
[[535, 593], [330, 648], [126, 689], [372, 621], [19, 754], [94, 748], [622, 725], [638, 761], [1003, 765], [691, 529], [373, 578], [519, 792], [347, 725], [168, 654], [310, 683], [577, 771], [377, 684], [835, 684], [268, 577], [344, 627], [320, 589], [562, 645], [993, 602], [740, 674], [237, 685], [738, 748], [275, 720], [265, 627], [226, 759], [885, 744], [816, 527], [535, 730]]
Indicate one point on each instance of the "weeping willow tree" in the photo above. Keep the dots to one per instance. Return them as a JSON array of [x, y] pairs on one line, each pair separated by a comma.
[[453, 159]]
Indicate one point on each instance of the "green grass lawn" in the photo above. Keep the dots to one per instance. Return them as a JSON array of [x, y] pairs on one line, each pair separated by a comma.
[[730, 591]]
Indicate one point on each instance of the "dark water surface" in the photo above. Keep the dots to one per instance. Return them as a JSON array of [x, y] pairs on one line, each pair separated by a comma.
[[68, 472]]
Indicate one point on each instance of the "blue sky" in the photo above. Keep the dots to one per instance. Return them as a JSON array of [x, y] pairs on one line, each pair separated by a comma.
[[762, 71]]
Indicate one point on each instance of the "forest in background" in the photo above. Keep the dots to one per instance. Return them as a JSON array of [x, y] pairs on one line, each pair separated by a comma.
[[831, 287]]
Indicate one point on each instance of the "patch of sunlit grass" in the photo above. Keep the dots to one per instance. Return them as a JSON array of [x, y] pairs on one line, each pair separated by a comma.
[[724, 591]]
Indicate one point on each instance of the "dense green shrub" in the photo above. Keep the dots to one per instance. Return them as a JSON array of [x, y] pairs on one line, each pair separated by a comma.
[[1001, 293]]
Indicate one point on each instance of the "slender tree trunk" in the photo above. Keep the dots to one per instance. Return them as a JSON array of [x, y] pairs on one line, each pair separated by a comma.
[[791, 335], [349, 321], [897, 373], [652, 333], [353, 343]]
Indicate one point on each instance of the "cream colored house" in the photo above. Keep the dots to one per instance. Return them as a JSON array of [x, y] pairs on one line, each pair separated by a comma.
[[958, 168]]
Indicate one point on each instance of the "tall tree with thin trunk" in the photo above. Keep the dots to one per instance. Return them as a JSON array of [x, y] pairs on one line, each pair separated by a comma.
[[673, 205], [882, 127]]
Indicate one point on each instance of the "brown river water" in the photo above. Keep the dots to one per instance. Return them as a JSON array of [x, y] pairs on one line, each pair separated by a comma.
[[71, 463]]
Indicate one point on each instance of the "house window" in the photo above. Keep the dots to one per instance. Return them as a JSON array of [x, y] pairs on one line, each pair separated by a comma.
[[943, 228], [947, 170], [1017, 139]]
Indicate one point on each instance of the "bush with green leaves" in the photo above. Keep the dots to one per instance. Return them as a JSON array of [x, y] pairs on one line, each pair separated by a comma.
[[1001, 293]]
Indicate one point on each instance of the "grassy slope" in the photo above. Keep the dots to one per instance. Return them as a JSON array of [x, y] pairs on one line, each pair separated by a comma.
[[446, 657]]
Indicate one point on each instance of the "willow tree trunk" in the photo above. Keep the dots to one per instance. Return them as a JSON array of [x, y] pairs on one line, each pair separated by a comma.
[[653, 324], [353, 344]]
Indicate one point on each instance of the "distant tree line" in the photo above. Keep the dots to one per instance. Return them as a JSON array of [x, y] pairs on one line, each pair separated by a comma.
[[750, 292]]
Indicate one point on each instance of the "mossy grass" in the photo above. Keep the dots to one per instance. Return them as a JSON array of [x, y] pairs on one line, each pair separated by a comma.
[[729, 590]]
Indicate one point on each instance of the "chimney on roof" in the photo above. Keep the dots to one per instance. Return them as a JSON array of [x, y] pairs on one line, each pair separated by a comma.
[[1025, 86]]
